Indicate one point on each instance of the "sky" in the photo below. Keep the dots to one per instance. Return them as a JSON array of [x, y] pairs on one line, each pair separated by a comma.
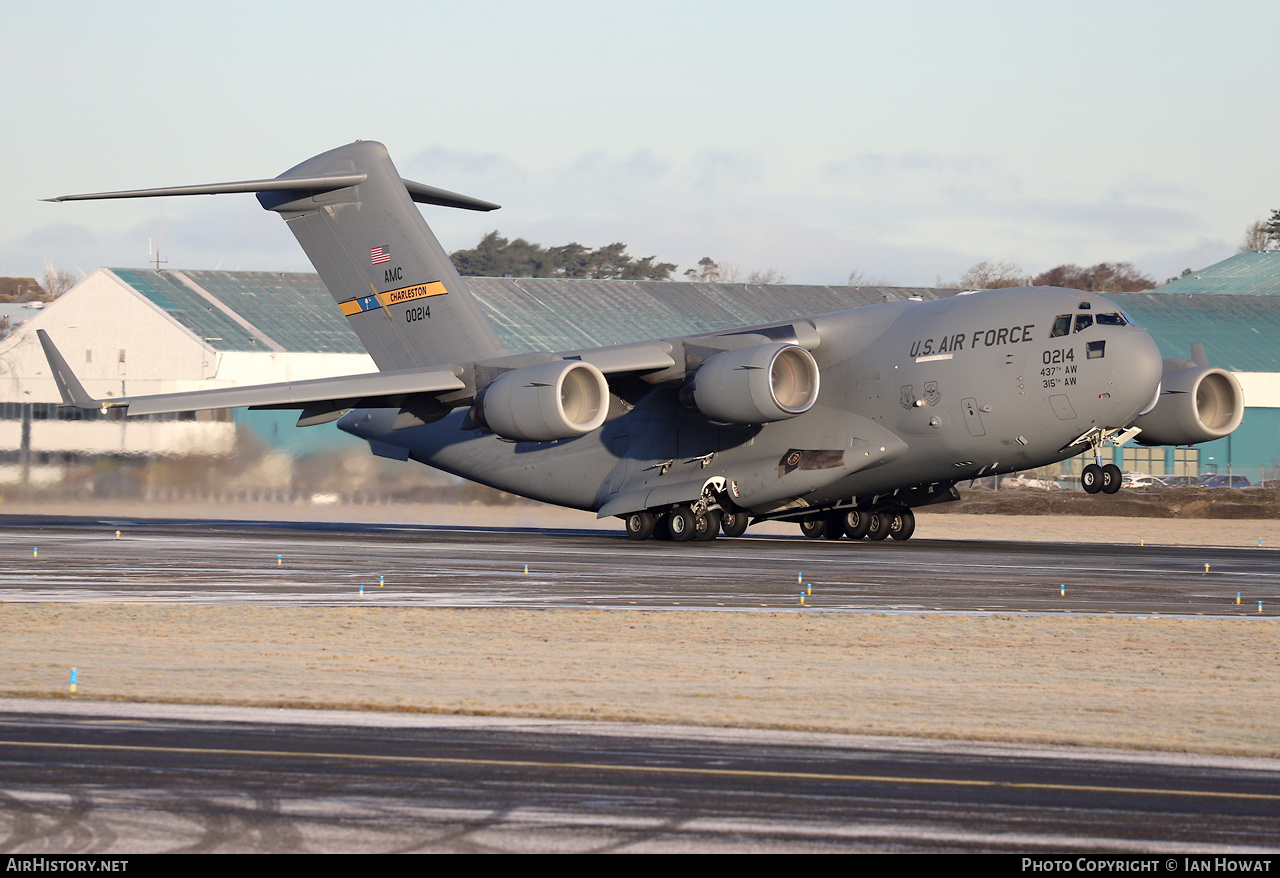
[[906, 141]]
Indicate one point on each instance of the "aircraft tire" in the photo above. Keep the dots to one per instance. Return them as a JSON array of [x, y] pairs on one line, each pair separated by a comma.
[[734, 524], [640, 525], [706, 527], [833, 528], [680, 524], [1091, 478], [1112, 478], [856, 523], [813, 528], [879, 528], [902, 523]]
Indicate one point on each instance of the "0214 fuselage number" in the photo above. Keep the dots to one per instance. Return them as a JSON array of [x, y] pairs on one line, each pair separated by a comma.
[[1059, 362], [421, 312]]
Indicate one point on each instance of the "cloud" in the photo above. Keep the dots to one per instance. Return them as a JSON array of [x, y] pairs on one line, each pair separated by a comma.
[[910, 216]]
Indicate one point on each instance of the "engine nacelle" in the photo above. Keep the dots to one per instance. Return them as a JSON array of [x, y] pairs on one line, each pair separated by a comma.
[[556, 400], [770, 382], [1196, 404]]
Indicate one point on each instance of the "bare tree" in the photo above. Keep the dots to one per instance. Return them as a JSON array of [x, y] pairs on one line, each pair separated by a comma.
[[859, 278], [993, 276], [1105, 277], [56, 281], [711, 272], [1262, 235], [767, 276], [1255, 237]]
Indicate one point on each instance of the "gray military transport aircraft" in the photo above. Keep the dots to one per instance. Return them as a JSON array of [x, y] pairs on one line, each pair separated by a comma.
[[840, 422]]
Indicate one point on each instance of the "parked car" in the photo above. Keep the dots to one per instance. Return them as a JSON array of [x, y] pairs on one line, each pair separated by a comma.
[[1140, 480], [1223, 481], [1182, 481], [1269, 484]]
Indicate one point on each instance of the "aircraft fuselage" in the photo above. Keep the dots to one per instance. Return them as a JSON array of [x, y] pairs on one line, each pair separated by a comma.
[[912, 393]]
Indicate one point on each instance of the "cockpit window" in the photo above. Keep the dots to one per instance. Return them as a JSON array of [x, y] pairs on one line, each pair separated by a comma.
[[1061, 326], [1112, 320], [1083, 321]]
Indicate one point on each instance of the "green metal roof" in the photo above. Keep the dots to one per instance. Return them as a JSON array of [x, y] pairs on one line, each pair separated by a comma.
[[294, 312], [1256, 273], [558, 314], [1239, 333], [272, 311]]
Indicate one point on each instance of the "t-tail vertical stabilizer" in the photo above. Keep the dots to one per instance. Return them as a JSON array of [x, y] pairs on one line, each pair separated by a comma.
[[355, 218], [380, 261]]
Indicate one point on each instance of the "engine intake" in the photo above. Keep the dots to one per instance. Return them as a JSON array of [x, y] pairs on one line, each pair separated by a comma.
[[770, 382], [556, 400], [1196, 404]]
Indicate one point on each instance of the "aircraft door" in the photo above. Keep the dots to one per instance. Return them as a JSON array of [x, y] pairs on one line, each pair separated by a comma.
[[973, 417]]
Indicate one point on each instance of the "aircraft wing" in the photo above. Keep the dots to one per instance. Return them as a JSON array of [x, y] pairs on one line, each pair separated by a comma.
[[331, 394]]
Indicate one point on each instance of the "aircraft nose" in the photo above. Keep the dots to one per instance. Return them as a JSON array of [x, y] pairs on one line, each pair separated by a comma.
[[1135, 374]]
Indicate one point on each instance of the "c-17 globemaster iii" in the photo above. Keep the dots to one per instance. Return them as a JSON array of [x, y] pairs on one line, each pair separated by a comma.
[[840, 422]]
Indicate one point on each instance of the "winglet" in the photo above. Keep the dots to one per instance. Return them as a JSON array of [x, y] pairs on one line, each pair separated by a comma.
[[73, 392]]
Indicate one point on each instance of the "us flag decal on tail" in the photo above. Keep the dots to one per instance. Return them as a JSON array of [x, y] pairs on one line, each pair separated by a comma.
[[380, 255]]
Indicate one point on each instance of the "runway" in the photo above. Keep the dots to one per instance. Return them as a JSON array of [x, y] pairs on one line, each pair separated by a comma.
[[109, 779], [265, 563], [103, 777]]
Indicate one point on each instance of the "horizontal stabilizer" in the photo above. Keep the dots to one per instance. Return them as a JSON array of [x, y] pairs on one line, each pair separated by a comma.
[[444, 198], [372, 390], [419, 192], [309, 184]]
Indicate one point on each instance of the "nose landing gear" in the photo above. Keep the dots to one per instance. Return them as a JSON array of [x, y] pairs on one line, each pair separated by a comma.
[[1101, 479], [1096, 478]]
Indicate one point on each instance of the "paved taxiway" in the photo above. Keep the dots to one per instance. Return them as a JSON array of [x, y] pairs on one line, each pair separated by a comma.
[[309, 564], [118, 778]]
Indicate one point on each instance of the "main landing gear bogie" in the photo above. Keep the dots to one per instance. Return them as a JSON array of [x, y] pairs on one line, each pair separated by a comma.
[[897, 522], [685, 523]]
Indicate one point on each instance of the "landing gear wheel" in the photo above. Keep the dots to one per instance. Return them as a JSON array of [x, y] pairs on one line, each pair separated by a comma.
[[813, 528], [834, 529], [640, 525], [734, 524], [879, 526], [1091, 478], [902, 523], [1111, 478], [680, 524], [706, 527], [856, 523]]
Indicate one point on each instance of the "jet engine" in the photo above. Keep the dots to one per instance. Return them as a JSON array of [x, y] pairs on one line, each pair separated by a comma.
[[557, 400], [1196, 404], [769, 382]]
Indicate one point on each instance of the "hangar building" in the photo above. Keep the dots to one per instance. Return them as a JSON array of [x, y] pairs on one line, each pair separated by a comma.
[[141, 331]]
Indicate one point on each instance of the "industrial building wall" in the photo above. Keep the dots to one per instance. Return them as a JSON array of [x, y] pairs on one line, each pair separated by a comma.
[[116, 342]]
